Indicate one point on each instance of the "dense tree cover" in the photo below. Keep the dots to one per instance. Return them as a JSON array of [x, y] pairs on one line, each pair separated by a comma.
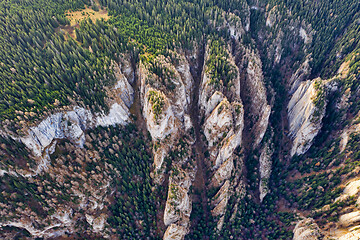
[[251, 221], [203, 226], [42, 69], [218, 64], [24, 193], [125, 161], [39, 69], [185, 21], [133, 213], [324, 169], [157, 102], [257, 221], [14, 153], [329, 18]]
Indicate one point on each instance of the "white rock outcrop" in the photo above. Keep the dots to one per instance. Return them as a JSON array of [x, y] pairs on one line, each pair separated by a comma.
[[232, 23], [178, 204], [305, 117], [272, 17], [166, 105], [265, 170], [355, 128], [60, 221], [118, 115], [173, 118], [220, 201], [300, 75], [305, 36], [307, 229], [165, 123], [235, 26], [97, 223], [218, 124], [352, 235], [352, 188], [175, 232], [71, 125], [223, 114], [350, 219]]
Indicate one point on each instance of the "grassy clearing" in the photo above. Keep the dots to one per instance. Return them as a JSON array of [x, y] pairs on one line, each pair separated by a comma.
[[76, 17]]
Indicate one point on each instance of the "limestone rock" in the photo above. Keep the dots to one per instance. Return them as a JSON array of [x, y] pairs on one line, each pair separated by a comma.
[[254, 85], [304, 35], [220, 200], [346, 134], [265, 170], [218, 123], [305, 117], [126, 92], [96, 222], [352, 188], [307, 229], [118, 114], [159, 124], [178, 204], [352, 235], [72, 124], [175, 232], [175, 95], [68, 125], [300, 75], [223, 113], [126, 68], [350, 219], [272, 16]]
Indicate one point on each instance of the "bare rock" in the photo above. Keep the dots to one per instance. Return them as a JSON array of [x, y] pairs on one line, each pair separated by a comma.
[[305, 115], [350, 219], [307, 229], [175, 232]]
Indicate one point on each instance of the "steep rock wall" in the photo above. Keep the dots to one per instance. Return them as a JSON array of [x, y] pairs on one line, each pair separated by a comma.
[[265, 169], [306, 229], [72, 124], [256, 93], [166, 87], [305, 115], [223, 114], [174, 96]]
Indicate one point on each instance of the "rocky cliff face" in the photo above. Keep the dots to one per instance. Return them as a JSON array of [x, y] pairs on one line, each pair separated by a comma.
[[166, 88], [265, 163], [306, 229], [178, 205], [166, 102], [254, 86], [223, 115], [72, 124], [306, 109], [42, 140]]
